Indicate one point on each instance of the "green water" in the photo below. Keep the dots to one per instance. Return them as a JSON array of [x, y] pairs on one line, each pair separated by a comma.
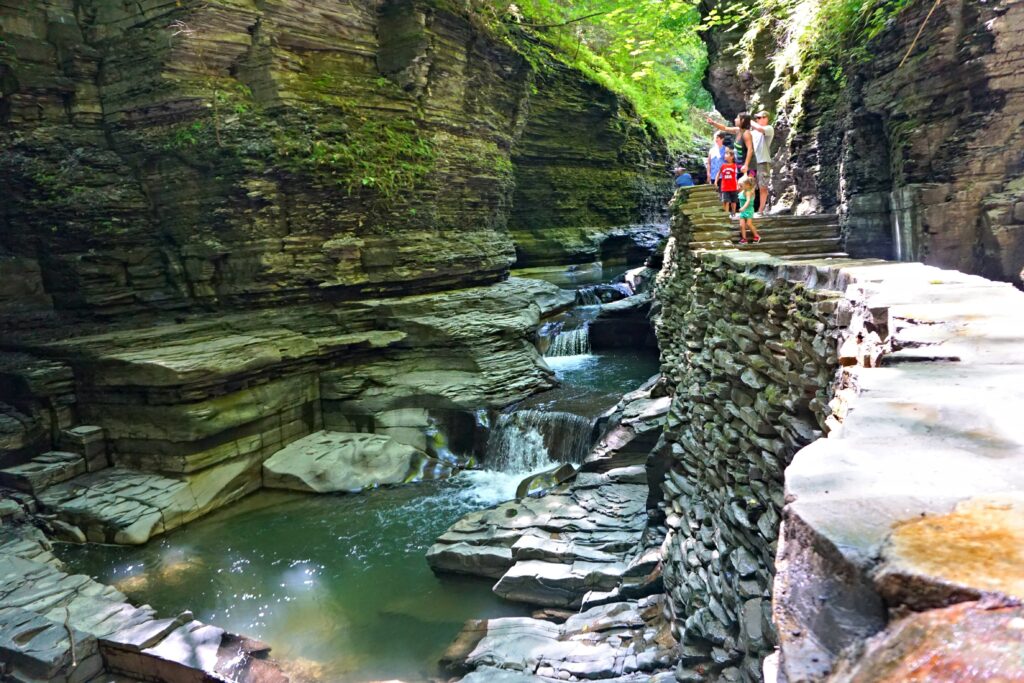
[[614, 371], [337, 585]]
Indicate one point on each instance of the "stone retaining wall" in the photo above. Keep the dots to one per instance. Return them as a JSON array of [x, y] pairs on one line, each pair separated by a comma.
[[766, 356], [751, 355]]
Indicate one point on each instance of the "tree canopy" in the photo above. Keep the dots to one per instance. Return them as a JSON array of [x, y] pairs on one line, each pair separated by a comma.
[[646, 50]]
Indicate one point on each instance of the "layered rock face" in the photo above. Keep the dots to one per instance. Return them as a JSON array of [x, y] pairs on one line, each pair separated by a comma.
[[578, 195], [202, 153], [922, 158], [229, 225]]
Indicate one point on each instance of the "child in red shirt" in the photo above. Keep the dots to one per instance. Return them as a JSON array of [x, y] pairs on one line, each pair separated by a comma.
[[728, 175]]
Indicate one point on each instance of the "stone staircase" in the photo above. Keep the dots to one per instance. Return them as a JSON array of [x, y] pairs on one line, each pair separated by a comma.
[[802, 237]]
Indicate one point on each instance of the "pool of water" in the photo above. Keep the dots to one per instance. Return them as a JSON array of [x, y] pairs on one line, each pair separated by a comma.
[[575, 276], [615, 371], [337, 585]]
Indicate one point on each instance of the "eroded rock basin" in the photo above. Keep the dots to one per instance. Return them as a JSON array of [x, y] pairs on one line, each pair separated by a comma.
[[337, 585]]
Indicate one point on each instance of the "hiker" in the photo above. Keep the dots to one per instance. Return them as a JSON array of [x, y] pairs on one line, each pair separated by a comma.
[[716, 157], [749, 194], [744, 144], [763, 134], [726, 180], [682, 179]]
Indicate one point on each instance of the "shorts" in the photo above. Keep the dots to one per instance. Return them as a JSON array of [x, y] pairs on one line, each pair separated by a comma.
[[764, 174], [731, 197]]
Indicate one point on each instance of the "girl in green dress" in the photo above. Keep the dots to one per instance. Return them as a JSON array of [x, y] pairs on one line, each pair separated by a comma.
[[749, 192]]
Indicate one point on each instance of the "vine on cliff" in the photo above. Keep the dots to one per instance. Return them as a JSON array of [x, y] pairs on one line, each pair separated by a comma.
[[818, 39]]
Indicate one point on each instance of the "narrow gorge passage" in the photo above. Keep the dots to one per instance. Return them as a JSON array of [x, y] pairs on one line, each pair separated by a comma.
[[327, 356]]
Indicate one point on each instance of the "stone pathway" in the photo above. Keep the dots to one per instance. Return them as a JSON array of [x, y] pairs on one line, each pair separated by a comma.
[[917, 495], [914, 499], [814, 236]]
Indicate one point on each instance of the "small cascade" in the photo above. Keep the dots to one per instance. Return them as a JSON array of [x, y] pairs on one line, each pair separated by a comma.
[[570, 343], [526, 441], [587, 296], [595, 295]]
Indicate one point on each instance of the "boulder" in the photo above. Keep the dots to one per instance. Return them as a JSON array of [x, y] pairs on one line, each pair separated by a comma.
[[331, 462]]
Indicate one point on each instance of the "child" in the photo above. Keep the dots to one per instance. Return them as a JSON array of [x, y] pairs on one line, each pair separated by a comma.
[[727, 174], [749, 186]]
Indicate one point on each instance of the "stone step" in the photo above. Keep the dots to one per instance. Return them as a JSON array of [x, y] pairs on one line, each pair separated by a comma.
[[43, 471], [768, 233], [809, 257], [802, 246]]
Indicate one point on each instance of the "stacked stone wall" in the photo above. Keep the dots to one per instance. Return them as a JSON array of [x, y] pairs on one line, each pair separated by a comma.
[[749, 345], [750, 388], [835, 463]]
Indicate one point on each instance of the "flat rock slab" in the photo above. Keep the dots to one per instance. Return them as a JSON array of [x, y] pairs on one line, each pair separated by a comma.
[[43, 470], [917, 495], [123, 506], [554, 549], [40, 605], [332, 462], [619, 641]]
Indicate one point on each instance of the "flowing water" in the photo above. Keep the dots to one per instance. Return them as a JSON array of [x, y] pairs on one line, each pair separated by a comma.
[[531, 440], [338, 584], [570, 342]]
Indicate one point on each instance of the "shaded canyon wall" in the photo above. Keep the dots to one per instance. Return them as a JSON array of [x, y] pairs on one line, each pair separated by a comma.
[[924, 160], [227, 225]]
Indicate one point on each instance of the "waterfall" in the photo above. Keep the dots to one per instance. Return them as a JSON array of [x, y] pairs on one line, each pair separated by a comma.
[[595, 295], [530, 440], [587, 296], [570, 343]]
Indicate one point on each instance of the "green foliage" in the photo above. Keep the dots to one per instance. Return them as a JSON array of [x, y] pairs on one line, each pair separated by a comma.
[[387, 155], [645, 50], [821, 39]]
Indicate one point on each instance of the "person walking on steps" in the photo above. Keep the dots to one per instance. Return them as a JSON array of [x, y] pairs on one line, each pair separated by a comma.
[[748, 186]]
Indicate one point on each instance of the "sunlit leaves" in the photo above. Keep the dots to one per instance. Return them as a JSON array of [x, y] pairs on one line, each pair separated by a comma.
[[647, 50]]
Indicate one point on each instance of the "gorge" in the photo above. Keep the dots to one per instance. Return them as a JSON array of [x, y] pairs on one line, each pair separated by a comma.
[[362, 340]]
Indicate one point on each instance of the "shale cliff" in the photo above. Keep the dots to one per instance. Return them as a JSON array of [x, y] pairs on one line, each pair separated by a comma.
[[174, 154], [923, 157], [228, 225]]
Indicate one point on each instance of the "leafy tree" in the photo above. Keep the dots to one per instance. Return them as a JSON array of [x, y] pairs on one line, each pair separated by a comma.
[[646, 50]]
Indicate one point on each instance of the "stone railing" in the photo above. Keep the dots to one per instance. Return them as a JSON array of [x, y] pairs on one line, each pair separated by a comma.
[[766, 356]]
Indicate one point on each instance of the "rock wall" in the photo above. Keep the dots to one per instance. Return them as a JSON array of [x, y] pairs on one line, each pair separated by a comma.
[[751, 357], [169, 155], [578, 195], [230, 224], [834, 466], [923, 159]]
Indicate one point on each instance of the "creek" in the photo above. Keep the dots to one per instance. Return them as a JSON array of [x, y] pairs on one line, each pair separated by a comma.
[[337, 585]]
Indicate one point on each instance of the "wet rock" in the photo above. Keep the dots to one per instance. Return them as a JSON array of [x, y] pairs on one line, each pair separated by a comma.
[[331, 462], [623, 641]]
